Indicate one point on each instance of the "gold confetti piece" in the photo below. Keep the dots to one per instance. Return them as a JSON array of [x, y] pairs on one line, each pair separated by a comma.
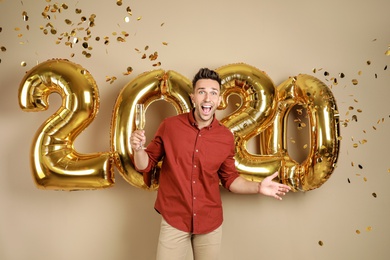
[[355, 145], [3, 48], [110, 79], [305, 146], [365, 179], [153, 56], [374, 194], [369, 228], [78, 11], [357, 231], [388, 170], [25, 16], [162, 24], [320, 243], [128, 10], [129, 71], [139, 18], [360, 72], [341, 75], [127, 19], [120, 39], [354, 81], [368, 62], [157, 64], [387, 53], [164, 43], [23, 64], [119, 2], [143, 56]]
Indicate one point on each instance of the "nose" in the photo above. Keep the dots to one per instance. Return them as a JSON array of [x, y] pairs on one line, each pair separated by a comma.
[[207, 97]]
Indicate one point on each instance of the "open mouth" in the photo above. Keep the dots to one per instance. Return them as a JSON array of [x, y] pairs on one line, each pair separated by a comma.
[[206, 109]]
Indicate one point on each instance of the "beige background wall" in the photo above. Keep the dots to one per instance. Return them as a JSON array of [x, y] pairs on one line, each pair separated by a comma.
[[282, 38]]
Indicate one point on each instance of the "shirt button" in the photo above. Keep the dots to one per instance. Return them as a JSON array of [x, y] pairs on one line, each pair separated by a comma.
[[196, 150], [194, 214], [193, 182], [195, 166], [194, 198]]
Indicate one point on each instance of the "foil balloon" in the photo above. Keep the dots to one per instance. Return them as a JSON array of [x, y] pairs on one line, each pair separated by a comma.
[[144, 90], [258, 103], [323, 117], [55, 163]]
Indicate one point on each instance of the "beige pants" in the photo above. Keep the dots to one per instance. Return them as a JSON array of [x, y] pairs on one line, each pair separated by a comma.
[[174, 244]]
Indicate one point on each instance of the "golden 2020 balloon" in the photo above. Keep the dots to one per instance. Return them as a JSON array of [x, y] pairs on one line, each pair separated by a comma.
[[55, 163], [263, 111]]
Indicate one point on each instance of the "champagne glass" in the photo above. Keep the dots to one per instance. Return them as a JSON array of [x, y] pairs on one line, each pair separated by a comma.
[[140, 120]]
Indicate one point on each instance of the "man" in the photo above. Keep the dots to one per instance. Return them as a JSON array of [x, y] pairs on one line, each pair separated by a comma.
[[198, 155]]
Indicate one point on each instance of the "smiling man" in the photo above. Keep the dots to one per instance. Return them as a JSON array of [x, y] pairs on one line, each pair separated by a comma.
[[198, 155]]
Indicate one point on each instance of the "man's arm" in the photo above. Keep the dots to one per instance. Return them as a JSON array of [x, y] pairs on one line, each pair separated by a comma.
[[267, 187]]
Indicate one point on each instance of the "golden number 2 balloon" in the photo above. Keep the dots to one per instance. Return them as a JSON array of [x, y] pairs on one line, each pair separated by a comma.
[[144, 89], [55, 163], [258, 103]]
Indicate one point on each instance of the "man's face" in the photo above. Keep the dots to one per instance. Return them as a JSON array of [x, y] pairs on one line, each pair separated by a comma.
[[206, 99]]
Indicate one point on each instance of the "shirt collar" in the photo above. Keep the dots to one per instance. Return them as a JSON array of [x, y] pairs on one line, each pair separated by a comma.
[[193, 122]]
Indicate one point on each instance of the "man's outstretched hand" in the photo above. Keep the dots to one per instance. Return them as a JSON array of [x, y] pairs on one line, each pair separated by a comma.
[[271, 188]]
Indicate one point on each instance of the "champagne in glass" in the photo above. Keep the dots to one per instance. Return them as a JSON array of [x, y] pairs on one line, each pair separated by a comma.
[[140, 119]]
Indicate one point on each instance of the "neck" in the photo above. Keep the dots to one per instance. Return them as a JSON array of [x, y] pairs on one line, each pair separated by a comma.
[[200, 122]]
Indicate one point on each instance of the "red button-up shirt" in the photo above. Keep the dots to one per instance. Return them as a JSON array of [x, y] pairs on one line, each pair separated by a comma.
[[195, 162]]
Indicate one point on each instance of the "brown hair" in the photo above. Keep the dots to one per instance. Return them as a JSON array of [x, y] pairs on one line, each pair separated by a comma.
[[205, 73]]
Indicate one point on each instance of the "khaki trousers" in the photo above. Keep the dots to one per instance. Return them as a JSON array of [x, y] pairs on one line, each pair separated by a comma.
[[174, 244]]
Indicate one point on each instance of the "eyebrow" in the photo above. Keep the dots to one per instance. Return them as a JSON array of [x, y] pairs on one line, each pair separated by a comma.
[[202, 88]]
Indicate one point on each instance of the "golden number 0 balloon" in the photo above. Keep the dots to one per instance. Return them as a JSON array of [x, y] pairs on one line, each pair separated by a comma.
[[55, 163], [323, 116], [144, 89]]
